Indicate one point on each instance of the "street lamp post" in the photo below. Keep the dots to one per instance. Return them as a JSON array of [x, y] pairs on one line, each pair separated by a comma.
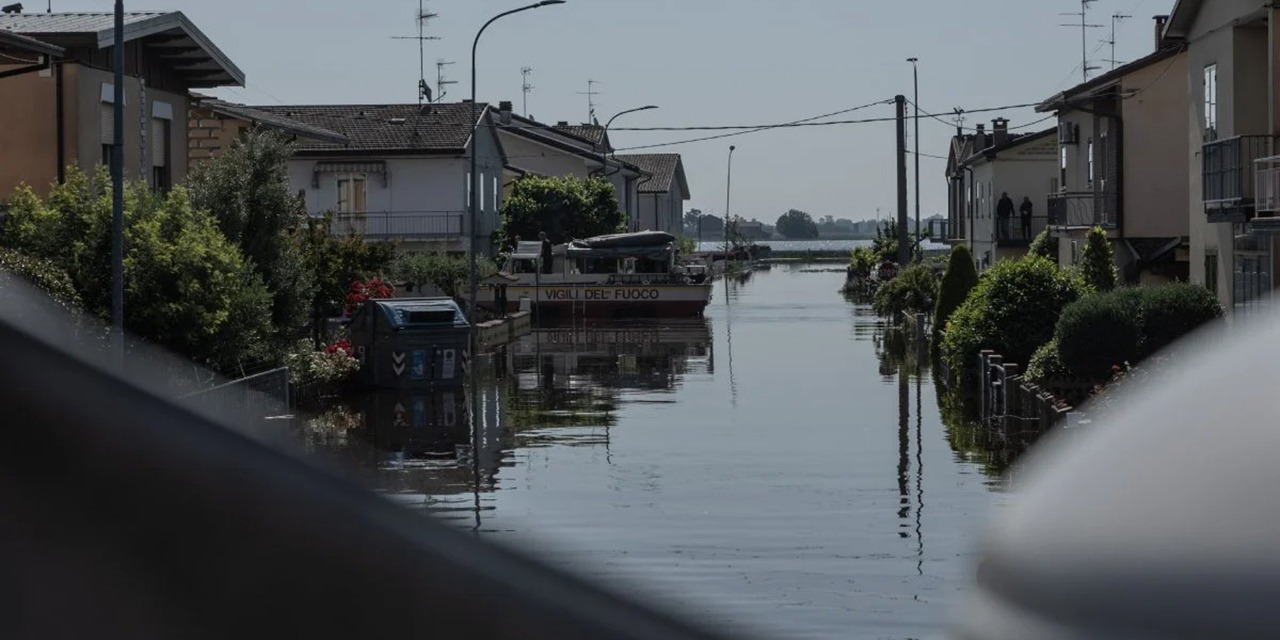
[[117, 192], [915, 77], [474, 178], [728, 191], [605, 150]]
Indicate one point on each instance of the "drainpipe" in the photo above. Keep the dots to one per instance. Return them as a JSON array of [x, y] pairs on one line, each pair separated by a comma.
[[59, 118]]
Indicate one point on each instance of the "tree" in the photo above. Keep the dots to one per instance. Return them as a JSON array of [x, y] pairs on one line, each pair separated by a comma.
[[187, 287], [446, 272], [691, 221], [247, 191], [797, 225], [1097, 262], [337, 261], [1045, 245], [566, 208], [960, 279], [914, 290]]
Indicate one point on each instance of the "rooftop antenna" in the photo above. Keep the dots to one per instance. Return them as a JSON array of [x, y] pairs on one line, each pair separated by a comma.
[[424, 90], [441, 83], [525, 87], [1084, 27], [959, 120], [591, 94], [1116, 19]]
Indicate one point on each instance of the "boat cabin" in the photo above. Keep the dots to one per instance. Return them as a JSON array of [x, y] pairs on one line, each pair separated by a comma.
[[644, 254]]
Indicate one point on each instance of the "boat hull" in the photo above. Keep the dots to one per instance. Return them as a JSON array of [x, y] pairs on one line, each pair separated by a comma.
[[606, 300]]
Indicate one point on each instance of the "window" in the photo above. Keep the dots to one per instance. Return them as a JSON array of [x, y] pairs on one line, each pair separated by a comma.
[[1090, 151], [495, 193], [351, 193], [161, 172], [1062, 168], [468, 188], [1252, 282], [480, 188], [1211, 101], [1211, 271]]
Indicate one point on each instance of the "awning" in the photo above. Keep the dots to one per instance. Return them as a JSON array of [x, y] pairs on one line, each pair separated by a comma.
[[378, 167]]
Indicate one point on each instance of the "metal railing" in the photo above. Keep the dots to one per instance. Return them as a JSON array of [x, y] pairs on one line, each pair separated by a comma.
[[942, 230], [1082, 209], [1266, 185], [1018, 232], [405, 225], [249, 400], [1228, 170]]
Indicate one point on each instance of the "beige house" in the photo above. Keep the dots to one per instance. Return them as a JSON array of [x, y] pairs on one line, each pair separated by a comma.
[[984, 166], [1120, 169], [214, 125], [62, 114], [1233, 50], [662, 193]]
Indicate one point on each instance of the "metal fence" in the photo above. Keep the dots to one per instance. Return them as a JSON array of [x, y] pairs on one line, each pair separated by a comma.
[[248, 402], [1010, 404], [1228, 169], [1082, 209], [402, 225]]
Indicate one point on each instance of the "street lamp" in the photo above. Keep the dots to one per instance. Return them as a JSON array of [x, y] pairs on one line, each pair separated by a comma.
[[604, 150], [915, 76], [472, 207], [728, 190], [117, 192]]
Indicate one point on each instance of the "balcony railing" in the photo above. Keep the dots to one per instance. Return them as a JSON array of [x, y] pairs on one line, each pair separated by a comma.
[[1228, 176], [1083, 209], [1018, 234], [945, 230], [401, 225]]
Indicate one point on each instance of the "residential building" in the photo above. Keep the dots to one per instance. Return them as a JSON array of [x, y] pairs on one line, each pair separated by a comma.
[[1232, 71], [66, 109], [662, 192], [403, 172], [581, 151], [1120, 169], [980, 169], [214, 125]]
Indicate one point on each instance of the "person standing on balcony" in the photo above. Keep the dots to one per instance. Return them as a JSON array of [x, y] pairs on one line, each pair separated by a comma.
[[1004, 212], [1026, 210]]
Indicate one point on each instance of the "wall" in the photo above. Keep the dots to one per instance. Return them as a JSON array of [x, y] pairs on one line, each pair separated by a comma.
[[28, 132], [210, 134], [1156, 164], [660, 212], [88, 99]]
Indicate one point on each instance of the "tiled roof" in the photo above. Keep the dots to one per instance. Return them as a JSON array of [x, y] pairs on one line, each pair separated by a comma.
[[209, 68], [274, 121], [663, 167], [592, 133], [435, 128]]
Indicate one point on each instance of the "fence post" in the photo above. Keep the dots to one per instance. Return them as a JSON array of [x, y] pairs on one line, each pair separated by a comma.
[[920, 332], [984, 384], [995, 364], [1010, 395]]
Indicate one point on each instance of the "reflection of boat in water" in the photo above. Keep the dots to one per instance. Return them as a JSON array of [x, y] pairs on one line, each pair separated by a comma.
[[629, 275]]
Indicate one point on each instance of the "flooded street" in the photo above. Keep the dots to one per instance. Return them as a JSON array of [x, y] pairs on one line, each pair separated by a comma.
[[769, 466]]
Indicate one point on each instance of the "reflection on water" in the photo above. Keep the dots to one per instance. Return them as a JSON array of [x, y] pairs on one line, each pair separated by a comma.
[[768, 465]]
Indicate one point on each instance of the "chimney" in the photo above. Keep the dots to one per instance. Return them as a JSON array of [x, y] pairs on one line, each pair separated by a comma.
[[980, 138], [504, 112], [1161, 22], [562, 123], [999, 132]]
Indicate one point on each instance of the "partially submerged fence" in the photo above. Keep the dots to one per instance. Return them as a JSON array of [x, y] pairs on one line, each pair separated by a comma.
[[1015, 407], [248, 402]]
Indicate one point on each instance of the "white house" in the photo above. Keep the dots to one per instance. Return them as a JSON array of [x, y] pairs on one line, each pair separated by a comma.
[[403, 174], [663, 194], [981, 169]]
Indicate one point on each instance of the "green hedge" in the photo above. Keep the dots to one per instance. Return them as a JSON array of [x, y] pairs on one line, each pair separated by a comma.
[[1172, 311], [912, 291], [1013, 311]]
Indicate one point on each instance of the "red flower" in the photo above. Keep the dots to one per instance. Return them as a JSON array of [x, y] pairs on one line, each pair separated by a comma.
[[1115, 368]]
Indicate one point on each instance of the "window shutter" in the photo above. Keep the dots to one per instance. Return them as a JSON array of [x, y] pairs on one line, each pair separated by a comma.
[[107, 123], [159, 146]]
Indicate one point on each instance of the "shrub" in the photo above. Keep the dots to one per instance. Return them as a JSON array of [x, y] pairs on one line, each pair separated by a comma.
[[959, 279], [1100, 331], [914, 290], [1045, 246], [1098, 262], [1046, 365], [43, 274], [311, 367], [1013, 311], [449, 273], [365, 290], [1172, 311]]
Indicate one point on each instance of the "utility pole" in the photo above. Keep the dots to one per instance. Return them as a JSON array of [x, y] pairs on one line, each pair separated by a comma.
[[441, 83], [525, 88], [117, 191], [591, 94], [1116, 19], [915, 76], [900, 107], [1084, 27]]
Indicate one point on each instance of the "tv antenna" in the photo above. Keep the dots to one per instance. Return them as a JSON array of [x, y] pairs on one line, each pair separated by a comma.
[[441, 83], [1116, 19], [1084, 27], [591, 94], [525, 88], [424, 90], [959, 120]]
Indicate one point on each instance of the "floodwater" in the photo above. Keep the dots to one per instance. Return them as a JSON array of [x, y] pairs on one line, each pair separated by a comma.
[[780, 466]]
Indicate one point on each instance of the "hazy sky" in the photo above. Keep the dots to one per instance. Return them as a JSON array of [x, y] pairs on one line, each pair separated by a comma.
[[704, 62]]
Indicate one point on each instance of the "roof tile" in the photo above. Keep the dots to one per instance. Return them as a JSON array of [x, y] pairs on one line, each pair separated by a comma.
[[386, 127]]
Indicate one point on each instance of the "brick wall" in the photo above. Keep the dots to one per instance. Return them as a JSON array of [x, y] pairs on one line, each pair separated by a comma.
[[209, 134]]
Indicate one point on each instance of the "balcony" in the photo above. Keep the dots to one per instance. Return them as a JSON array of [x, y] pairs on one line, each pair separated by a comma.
[[401, 225], [1018, 235], [946, 231], [1083, 210], [1266, 189], [1228, 177]]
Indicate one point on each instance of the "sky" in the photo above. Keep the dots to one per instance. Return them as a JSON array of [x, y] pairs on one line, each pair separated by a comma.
[[704, 63]]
